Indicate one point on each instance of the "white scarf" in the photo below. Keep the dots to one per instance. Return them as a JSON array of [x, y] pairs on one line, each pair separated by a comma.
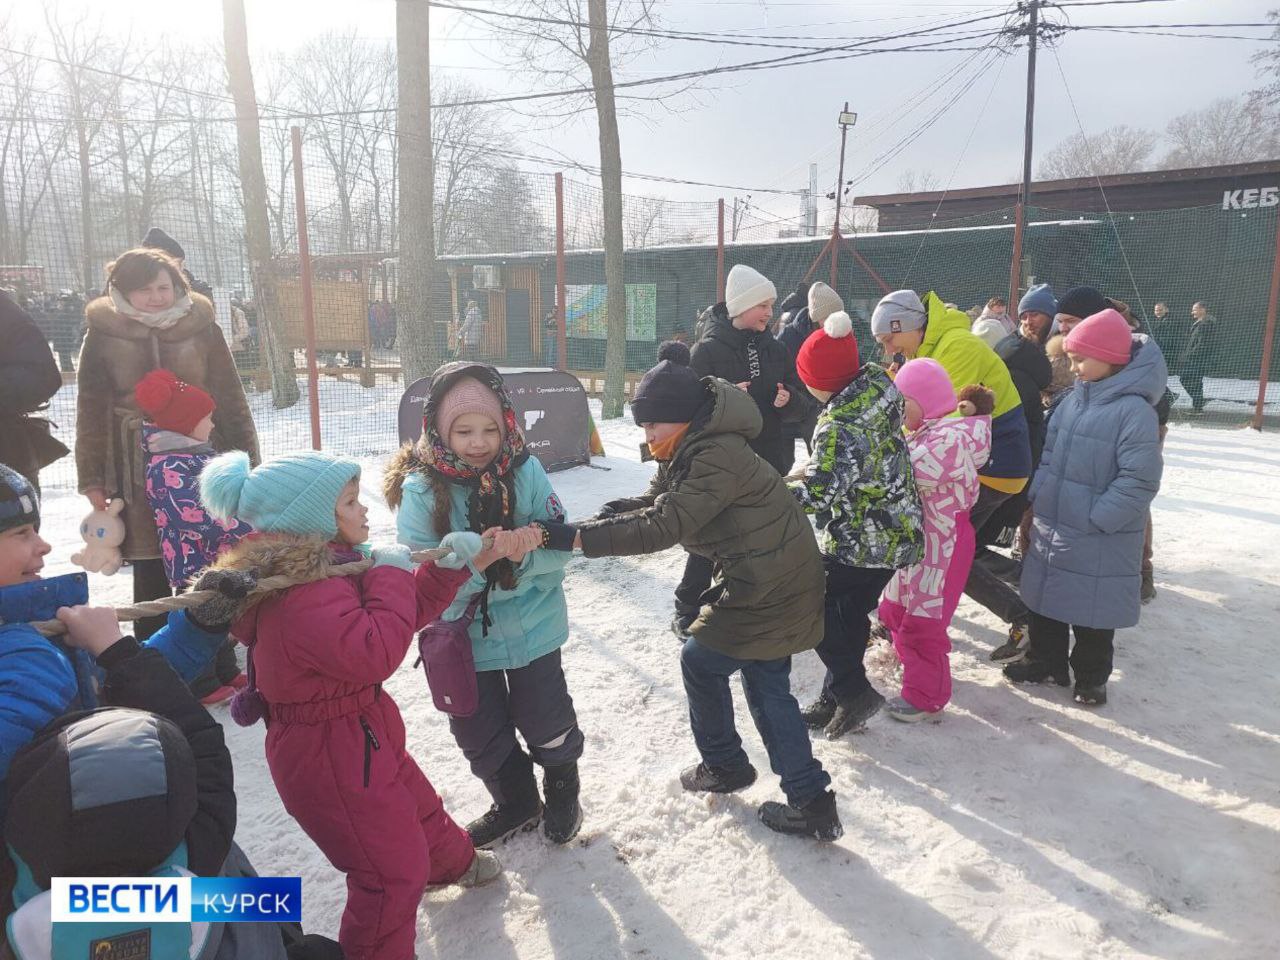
[[156, 321]]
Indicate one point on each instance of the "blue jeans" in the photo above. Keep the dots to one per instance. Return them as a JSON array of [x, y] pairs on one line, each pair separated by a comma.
[[767, 684]]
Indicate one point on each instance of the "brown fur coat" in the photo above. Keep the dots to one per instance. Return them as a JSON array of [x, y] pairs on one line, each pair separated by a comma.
[[116, 354]]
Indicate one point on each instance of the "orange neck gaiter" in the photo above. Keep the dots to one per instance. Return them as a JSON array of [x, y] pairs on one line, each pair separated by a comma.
[[666, 449]]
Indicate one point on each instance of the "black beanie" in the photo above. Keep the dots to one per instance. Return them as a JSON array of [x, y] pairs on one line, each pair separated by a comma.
[[157, 239], [19, 504], [670, 392], [1082, 302]]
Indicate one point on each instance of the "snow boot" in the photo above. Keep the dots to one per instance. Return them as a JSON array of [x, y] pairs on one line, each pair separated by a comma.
[[562, 815], [706, 779], [519, 811], [853, 714], [1015, 648], [1095, 696], [680, 625], [485, 868], [899, 709], [818, 714], [1148, 586], [1036, 671], [818, 818]]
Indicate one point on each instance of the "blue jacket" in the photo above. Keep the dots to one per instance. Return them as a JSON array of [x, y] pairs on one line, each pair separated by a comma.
[[41, 679], [1098, 474], [533, 619]]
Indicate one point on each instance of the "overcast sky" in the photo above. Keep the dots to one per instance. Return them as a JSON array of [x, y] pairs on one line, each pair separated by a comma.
[[762, 129]]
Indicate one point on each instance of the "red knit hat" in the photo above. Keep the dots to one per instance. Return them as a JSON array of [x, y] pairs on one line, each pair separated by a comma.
[[1105, 336], [828, 359], [170, 403]]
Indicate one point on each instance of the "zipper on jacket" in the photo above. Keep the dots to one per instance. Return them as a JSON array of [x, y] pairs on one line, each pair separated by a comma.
[[370, 744]]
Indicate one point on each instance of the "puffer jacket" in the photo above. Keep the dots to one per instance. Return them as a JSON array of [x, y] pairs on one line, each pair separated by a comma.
[[968, 360], [1099, 472], [718, 500], [857, 483], [526, 622]]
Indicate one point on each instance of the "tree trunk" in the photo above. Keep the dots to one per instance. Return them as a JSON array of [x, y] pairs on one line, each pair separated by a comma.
[[88, 275], [253, 184], [615, 351], [415, 331]]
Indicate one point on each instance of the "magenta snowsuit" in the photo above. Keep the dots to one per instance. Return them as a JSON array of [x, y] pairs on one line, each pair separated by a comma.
[[920, 600], [335, 739]]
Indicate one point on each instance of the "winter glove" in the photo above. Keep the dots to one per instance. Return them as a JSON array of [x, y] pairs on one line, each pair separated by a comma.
[[232, 587], [465, 547], [605, 512], [395, 555], [560, 536]]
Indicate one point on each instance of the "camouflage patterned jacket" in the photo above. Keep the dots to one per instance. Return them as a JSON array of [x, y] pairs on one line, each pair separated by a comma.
[[858, 483]]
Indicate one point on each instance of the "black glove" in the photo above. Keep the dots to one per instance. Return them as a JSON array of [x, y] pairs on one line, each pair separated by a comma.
[[232, 586], [560, 536], [605, 512]]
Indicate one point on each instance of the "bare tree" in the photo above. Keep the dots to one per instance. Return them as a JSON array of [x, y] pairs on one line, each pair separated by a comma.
[[1226, 131], [284, 386], [1267, 63], [644, 220], [913, 181], [1120, 149]]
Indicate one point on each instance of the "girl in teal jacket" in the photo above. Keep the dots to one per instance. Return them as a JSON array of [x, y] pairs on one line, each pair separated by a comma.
[[470, 471]]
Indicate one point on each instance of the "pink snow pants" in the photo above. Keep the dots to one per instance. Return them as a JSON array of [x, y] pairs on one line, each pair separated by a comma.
[[922, 643]]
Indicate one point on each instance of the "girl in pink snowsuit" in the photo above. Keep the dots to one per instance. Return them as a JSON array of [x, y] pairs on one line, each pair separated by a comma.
[[918, 603], [318, 654]]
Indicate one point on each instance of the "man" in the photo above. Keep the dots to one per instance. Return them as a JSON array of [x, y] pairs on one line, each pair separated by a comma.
[[997, 309], [1198, 356], [1170, 335], [157, 239]]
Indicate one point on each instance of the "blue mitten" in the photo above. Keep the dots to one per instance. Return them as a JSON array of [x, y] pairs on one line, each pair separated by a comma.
[[465, 547], [393, 556]]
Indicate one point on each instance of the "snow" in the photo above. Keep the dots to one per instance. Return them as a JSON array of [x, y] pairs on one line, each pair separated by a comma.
[[1020, 826]]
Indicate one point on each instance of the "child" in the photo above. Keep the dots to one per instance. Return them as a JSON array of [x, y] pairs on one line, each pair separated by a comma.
[[128, 821], [470, 471], [946, 454], [175, 445], [716, 498], [1098, 474], [858, 484], [318, 654]]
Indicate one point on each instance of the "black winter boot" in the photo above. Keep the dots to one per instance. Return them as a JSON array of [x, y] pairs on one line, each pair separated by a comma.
[[705, 779], [1037, 671], [520, 808], [853, 714], [818, 714], [818, 818], [562, 816]]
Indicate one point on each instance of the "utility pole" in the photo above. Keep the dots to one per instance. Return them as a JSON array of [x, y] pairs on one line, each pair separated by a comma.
[[847, 120], [1032, 7], [811, 209]]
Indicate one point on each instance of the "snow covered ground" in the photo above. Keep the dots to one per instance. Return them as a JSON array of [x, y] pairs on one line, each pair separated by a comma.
[[1021, 826]]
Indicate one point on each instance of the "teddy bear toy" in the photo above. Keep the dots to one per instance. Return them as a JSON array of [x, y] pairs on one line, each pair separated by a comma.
[[103, 532]]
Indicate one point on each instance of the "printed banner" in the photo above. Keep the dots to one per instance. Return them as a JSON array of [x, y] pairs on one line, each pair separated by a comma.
[[587, 315]]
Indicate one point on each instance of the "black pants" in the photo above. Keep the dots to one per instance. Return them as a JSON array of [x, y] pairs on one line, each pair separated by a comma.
[[1090, 660], [852, 593], [983, 586], [1193, 383]]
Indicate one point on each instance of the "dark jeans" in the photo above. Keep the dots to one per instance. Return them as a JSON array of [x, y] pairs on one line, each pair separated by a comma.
[[852, 593], [983, 586], [1193, 383], [767, 685], [533, 699], [150, 582], [1091, 658]]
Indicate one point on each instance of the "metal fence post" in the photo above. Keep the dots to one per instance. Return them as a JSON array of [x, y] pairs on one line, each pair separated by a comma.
[[308, 302], [562, 336], [1268, 340], [720, 250]]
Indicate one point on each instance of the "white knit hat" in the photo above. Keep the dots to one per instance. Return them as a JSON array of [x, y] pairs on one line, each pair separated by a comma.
[[823, 302], [990, 330], [747, 288]]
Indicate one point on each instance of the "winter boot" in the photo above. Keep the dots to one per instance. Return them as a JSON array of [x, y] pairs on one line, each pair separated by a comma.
[[1095, 696], [853, 714], [680, 625], [1015, 648], [519, 810], [818, 714], [817, 819], [1148, 586], [706, 779], [899, 709], [1036, 671], [562, 815], [485, 868]]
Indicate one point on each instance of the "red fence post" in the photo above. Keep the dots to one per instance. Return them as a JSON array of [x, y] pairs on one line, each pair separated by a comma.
[[304, 274], [1268, 340], [720, 251], [1015, 265], [562, 335]]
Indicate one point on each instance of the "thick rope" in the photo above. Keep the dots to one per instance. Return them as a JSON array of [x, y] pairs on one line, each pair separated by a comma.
[[153, 608]]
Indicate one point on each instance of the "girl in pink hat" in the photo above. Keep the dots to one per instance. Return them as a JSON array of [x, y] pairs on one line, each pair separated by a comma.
[[946, 454]]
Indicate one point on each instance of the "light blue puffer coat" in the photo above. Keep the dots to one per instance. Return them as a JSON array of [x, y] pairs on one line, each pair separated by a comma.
[[1098, 474]]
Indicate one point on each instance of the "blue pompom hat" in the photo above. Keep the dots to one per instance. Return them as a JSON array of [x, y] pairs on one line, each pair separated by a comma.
[[296, 493]]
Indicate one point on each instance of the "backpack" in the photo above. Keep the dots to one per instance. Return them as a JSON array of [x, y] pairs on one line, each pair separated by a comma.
[[444, 650]]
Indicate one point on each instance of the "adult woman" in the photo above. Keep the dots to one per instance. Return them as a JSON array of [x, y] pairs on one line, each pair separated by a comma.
[[148, 319]]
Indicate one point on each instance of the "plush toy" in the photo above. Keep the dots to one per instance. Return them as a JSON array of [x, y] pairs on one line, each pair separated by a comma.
[[103, 532]]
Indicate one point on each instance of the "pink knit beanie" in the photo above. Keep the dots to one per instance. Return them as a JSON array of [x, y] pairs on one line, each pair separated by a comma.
[[925, 381], [468, 395], [1105, 336]]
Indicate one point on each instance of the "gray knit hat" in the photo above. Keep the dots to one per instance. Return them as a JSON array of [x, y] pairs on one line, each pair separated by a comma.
[[19, 504], [823, 302], [898, 312]]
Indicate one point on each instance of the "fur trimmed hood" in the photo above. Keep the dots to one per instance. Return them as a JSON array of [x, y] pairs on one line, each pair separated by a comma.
[[105, 318], [305, 559], [404, 463]]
